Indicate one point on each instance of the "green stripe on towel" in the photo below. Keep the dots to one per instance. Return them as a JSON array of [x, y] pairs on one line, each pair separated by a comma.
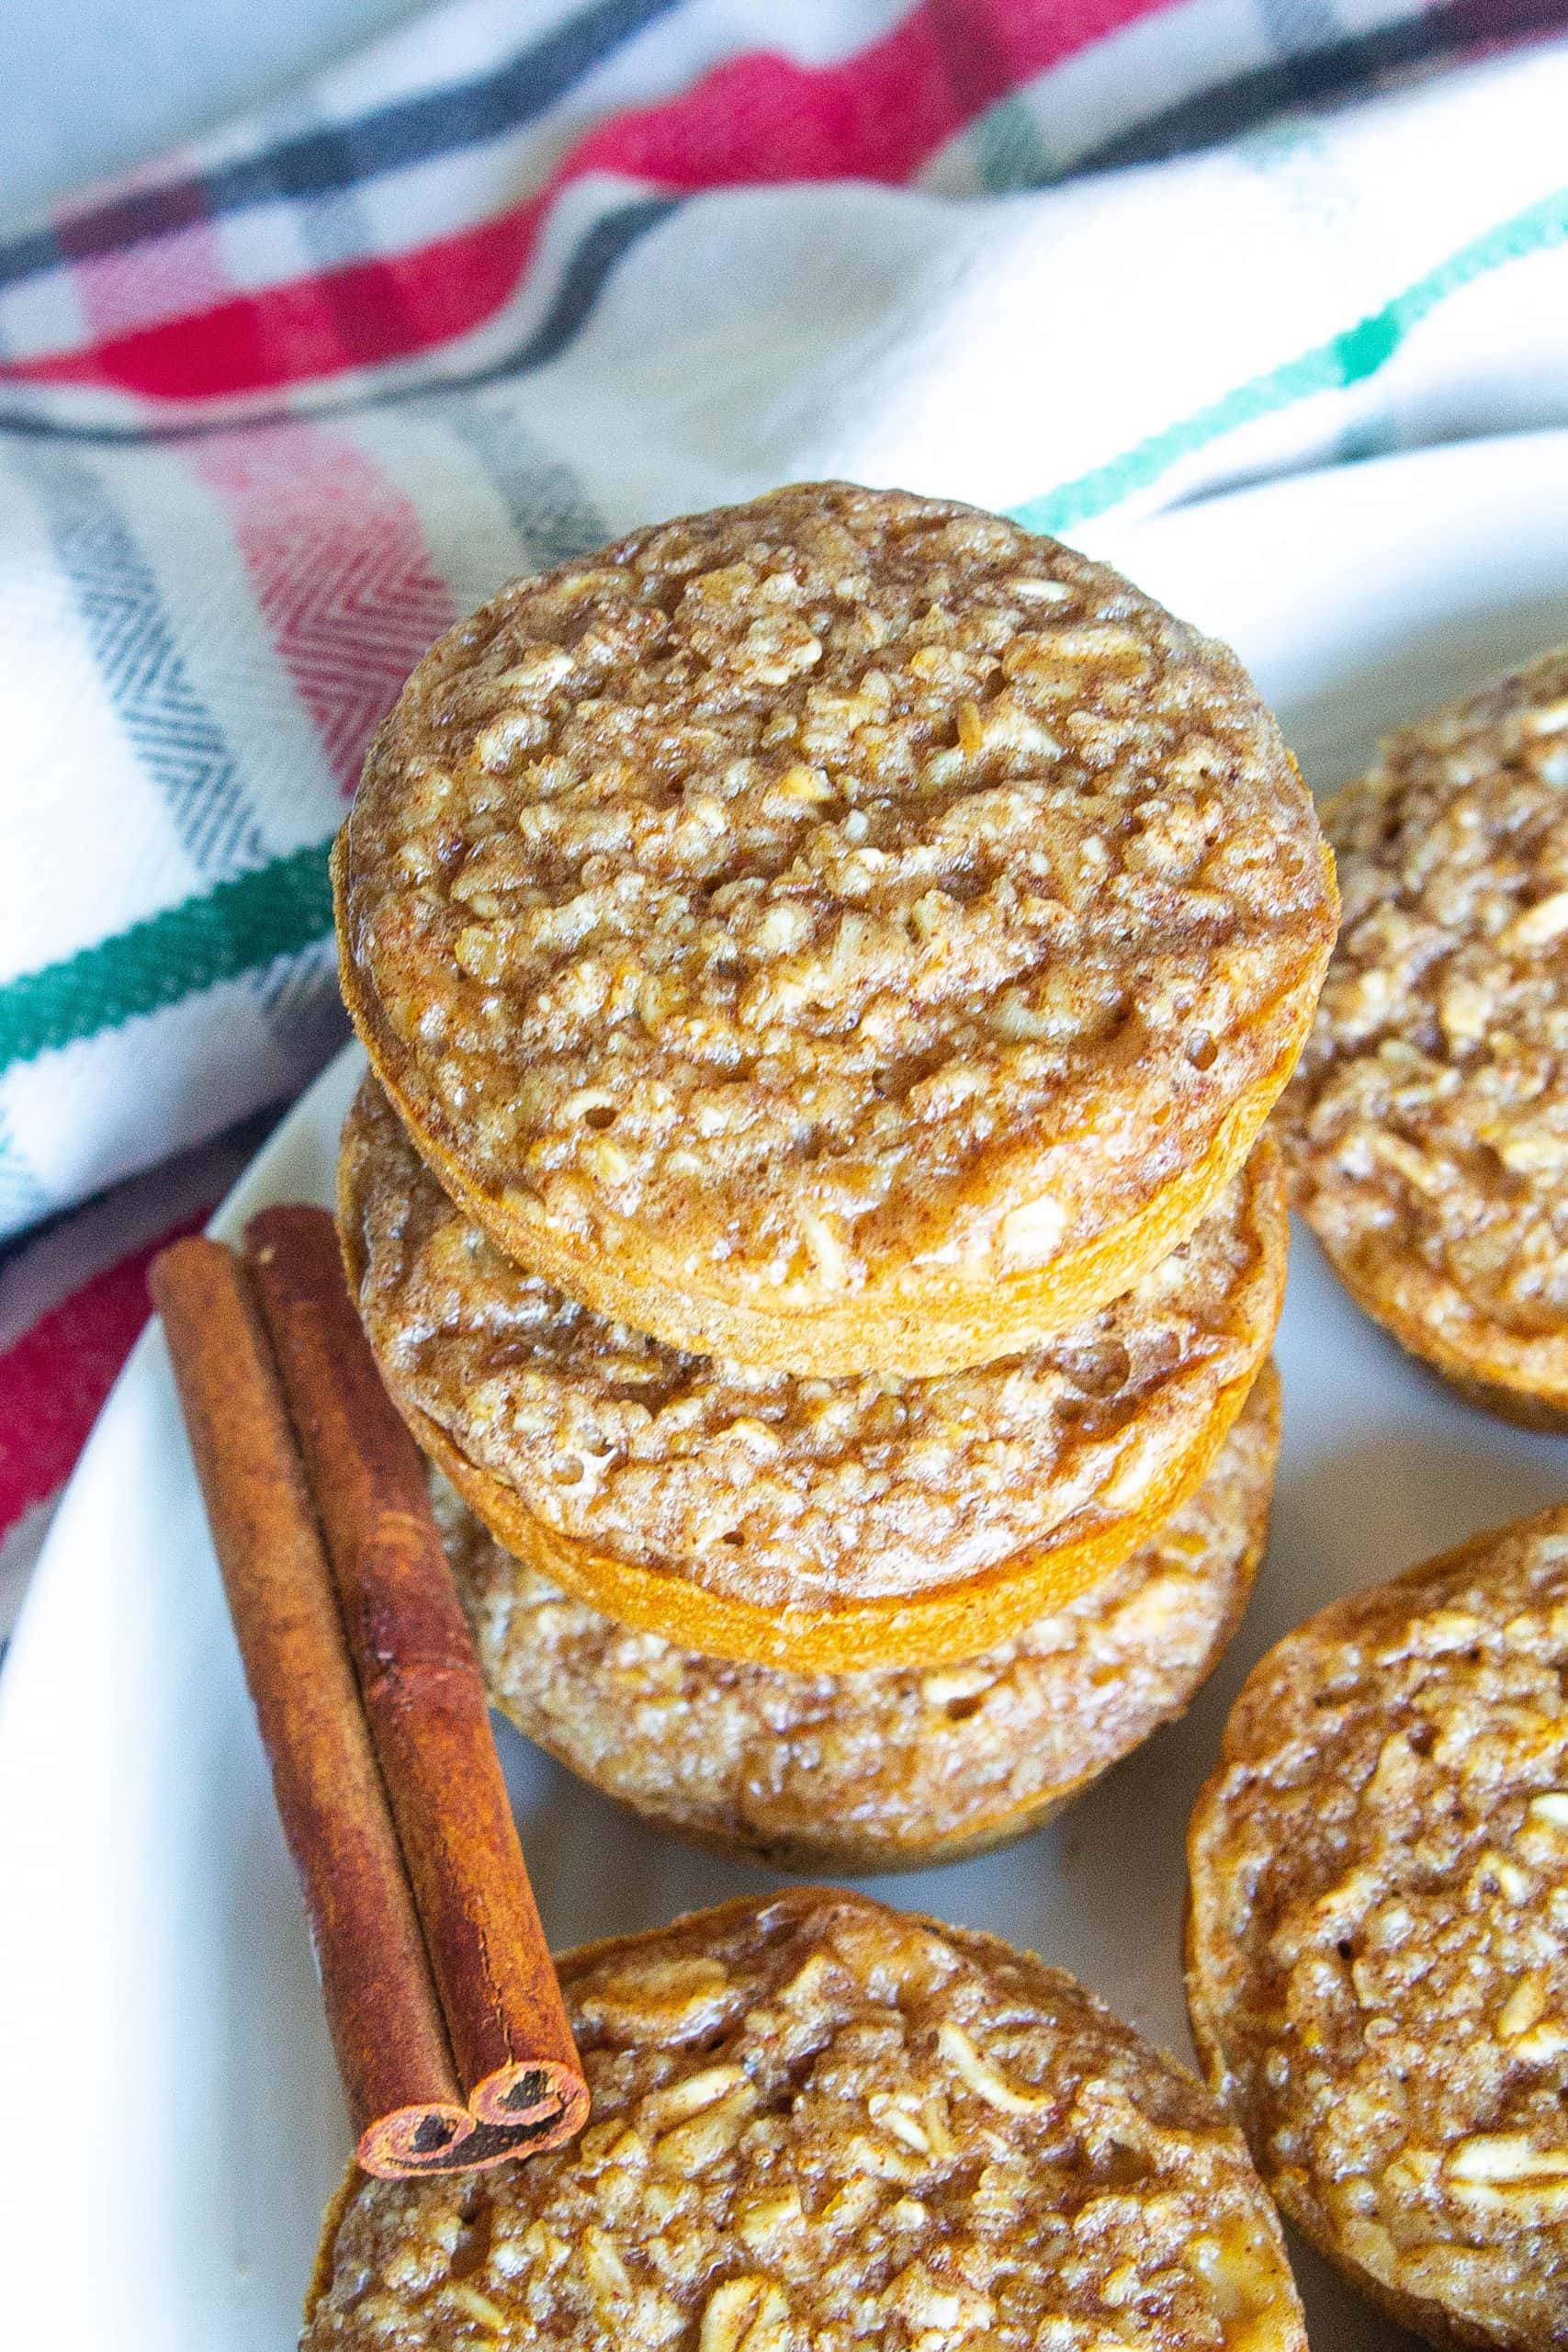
[[1347, 358], [238, 926]]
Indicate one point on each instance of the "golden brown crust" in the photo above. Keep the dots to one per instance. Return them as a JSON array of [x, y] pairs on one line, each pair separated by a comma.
[[1377, 1967], [820, 2123], [837, 932], [883, 1770], [1428, 1125], [802, 1524]]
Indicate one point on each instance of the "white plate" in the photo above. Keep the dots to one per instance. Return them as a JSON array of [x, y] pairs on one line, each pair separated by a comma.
[[156, 1999]]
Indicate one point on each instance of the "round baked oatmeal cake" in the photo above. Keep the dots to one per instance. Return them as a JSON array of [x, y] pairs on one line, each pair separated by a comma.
[[804, 1523], [893, 1766], [1378, 1954], [897, 1767], [819, 2125], [1427, 1126], [841, 932]]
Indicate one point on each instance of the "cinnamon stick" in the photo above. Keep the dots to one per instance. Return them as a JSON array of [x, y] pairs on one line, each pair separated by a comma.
[[386, 2024], [423, 1689], [404, 2091]]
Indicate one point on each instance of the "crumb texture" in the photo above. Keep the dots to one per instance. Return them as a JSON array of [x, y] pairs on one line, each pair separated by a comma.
[[1380, 1946], [782, 1490], [886, 1763], [819, 2125], [796, 890], [1427, 1123]]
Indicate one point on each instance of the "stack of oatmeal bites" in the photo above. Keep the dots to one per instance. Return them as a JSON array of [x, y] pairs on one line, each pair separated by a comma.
[[825, 967]]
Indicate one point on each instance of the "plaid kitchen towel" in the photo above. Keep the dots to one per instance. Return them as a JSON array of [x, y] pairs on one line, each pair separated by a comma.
[[276, 411]]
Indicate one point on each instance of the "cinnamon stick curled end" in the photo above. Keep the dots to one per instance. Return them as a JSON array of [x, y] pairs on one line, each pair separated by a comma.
[[541, 2107]]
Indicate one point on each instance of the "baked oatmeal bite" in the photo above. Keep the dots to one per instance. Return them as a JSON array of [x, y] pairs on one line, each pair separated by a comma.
[[821, 2123], [1427, 1128], [842, 932], [803, 1522], [1378, 1961], [892, 1768]]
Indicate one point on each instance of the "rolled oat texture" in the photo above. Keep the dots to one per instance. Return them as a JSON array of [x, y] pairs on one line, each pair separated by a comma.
[[1378, 1961], [1427, 1126], [842, 932], [803, 1522], [892, 1768], [820, 2123]]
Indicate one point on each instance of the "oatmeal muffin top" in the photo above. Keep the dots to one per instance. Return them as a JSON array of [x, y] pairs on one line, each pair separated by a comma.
[[1379, 1946], [787, 1493], [820, 2123], [820, 931], [1427, 1124], [875, 1770]]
